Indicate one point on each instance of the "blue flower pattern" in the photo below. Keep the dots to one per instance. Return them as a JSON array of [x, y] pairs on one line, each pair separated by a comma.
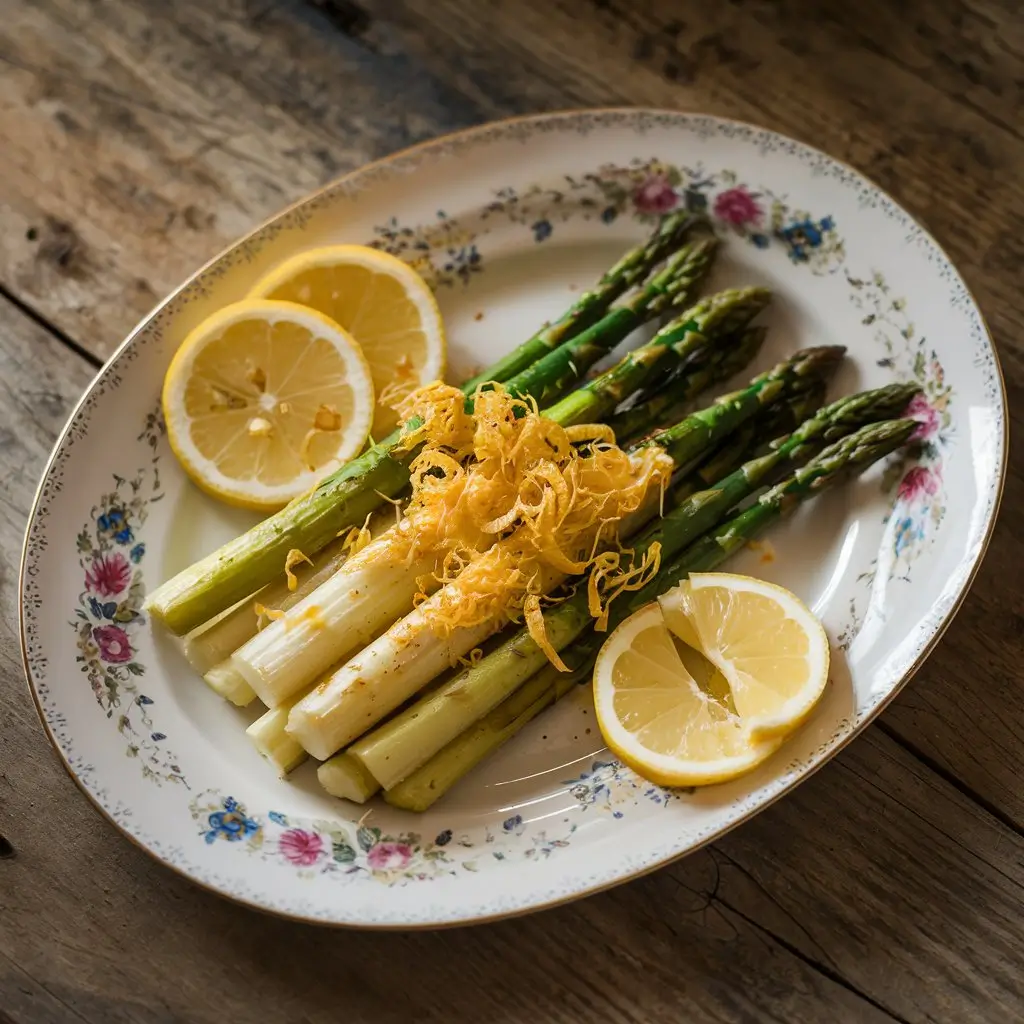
[[908, 532], [802, 236], [541, 230], [232, 823], [608, 782], [115, 522]]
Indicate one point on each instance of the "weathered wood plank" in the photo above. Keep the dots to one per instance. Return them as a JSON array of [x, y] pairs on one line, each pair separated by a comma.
[[138, 140], [879, 871]]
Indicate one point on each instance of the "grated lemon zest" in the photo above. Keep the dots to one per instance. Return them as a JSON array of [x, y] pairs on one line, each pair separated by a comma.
[[506, 506], [474, 657], [592, 432], [356, 537], [636, 577], [314, 615], [535, 625], [263, 612], [292, 559]]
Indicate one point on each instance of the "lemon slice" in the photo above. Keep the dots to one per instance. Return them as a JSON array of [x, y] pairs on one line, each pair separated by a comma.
[[764, 640], [657, 717], [386, 306], [263, 399]]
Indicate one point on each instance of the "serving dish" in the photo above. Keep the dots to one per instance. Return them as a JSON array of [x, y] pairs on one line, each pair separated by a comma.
[[506, 222]]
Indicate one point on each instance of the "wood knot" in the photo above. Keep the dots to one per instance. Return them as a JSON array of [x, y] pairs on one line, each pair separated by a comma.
[[61, 246]]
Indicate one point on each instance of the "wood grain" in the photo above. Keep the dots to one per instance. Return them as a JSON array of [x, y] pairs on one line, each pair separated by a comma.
[[137, 138]]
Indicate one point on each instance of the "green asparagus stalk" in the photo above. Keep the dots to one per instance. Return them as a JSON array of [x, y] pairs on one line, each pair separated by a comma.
[[777, 420], [344, 777], [709, 320], [592, 305], [397, 748], [667, 405], [423, 787], [351, 493]]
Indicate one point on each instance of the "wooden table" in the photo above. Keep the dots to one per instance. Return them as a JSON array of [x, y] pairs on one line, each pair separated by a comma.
[[137, 137]]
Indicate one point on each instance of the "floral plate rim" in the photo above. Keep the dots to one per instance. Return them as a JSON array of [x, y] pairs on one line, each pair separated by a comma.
[[368, 172]]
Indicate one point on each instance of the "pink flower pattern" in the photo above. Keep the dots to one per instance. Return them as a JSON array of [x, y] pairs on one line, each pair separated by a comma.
[[927, 416], [108, 575], [115, 647], [656, 195], [918, 483], [301, 848], [389, 856], [738, 207]]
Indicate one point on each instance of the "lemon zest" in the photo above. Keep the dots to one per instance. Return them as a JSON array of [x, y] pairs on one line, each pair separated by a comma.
[[590, 432], [314, 615], [535, 625], [474, 657], [270, 614], [355, 538], [507, 503], [292, 559], [636, 577]]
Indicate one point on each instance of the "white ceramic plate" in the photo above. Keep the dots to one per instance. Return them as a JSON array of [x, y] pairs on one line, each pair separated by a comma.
[[508, 222]]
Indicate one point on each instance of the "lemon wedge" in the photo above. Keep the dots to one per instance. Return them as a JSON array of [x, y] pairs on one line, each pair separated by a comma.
[[386, 306], [263, 399], [658, 718], [765, 641]]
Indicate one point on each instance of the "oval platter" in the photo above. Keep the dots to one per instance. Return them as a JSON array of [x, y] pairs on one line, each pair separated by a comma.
[[507, 223]]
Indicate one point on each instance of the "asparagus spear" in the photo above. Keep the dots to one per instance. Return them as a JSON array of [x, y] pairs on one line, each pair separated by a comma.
[[672, 288], [344, 777], [351, 493], [593, 304], [402, 660], [667, 405], [399, 747], [372, 591], [421, 789], [267, 734], [715, 317], [777, 420]]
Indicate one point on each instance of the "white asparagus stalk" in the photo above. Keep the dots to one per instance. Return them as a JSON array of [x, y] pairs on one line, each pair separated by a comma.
[[268, 736], [229, 684], [399, 663], [377, 680], [332, 622], [344, 777], [214, 642]]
